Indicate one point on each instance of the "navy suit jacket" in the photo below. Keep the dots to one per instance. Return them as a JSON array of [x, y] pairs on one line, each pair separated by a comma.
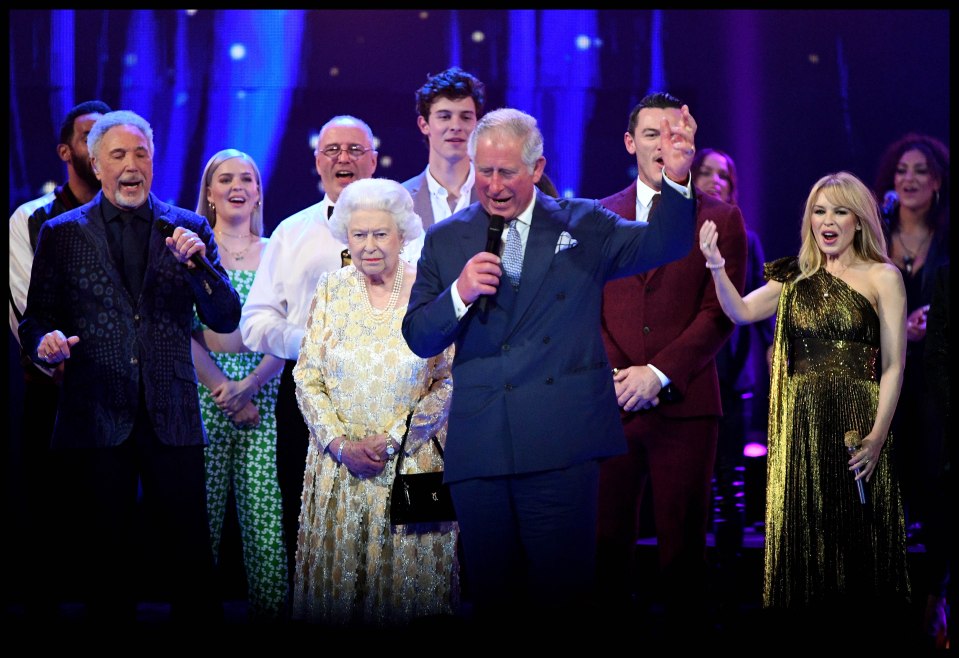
[[76, 287], [532, 388]]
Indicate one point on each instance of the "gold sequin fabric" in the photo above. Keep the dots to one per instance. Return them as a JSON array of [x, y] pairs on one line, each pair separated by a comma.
[[822, 544], [356, 376]]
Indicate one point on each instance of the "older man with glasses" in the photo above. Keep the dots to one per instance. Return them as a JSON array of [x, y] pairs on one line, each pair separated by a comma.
[[301, 248]]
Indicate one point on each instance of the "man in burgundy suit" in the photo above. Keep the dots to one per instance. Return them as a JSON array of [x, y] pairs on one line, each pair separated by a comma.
[[662, 330]]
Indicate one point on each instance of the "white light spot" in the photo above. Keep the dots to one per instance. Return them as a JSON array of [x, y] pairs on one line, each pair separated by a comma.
[[569, 193], [813, 58], [478, 36], [48, 187], [334, 71], [424, 15], [237, 51], [386, 161], [191, 12], [376, 142], [583, 42]]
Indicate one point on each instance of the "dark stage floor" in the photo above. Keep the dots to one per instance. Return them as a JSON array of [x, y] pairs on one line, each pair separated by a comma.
[[735, 619]]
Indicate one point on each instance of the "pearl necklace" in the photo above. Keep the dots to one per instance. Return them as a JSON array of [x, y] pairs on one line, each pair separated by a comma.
[[380, 314]]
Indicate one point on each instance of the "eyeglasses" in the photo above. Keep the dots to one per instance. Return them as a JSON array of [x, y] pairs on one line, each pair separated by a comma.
[[355, 151]]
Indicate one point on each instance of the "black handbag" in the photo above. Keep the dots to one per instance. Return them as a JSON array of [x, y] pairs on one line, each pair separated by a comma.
[[419, 497]]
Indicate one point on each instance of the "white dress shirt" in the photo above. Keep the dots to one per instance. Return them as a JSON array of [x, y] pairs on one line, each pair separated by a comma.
[[439, 203], [300, 249]]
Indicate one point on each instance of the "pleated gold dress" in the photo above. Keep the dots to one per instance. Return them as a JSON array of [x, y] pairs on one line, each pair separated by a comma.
[[822, 544]]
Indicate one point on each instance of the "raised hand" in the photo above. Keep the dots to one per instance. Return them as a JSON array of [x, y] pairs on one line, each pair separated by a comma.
[[678, 144]]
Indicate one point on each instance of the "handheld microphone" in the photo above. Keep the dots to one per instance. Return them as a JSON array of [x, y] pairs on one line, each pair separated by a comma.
[[853, 443], [889, 202], [494, 235], [167, 229]]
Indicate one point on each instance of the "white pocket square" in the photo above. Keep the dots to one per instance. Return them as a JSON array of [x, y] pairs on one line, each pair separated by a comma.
[[566, 241]]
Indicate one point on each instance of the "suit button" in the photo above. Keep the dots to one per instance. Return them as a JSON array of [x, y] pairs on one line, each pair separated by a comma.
[[645, 330], [133, 361], [561, 295], [545, 339], [506, 347], [508, 387], [549, 380]]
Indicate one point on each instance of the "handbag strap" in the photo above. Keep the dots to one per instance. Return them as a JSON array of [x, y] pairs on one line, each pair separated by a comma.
[[399, 458]]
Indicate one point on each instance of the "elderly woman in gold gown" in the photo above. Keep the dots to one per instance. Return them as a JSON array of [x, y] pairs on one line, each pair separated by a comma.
[[839, 352], [357, 383]]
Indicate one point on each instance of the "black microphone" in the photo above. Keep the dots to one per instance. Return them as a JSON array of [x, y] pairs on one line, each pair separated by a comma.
[[854, 443], [167, 229], [889, 202], [494, 236]]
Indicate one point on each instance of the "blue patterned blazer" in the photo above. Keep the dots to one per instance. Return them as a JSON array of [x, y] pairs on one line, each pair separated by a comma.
[[76, 287]]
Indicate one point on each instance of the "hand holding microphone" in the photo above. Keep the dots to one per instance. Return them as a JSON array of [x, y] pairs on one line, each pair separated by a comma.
[[854, 443], [494, 236], [192, 248]]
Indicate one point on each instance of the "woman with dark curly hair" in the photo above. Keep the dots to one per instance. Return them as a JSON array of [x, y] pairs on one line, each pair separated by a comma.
[[916, 169]]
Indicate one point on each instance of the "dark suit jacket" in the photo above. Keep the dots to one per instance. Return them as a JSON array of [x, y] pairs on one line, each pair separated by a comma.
[[670, 316], [419, 189], [75, 287], [532, 389]]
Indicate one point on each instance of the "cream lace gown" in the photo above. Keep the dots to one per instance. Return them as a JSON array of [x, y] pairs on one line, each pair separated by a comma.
[[356, 377]]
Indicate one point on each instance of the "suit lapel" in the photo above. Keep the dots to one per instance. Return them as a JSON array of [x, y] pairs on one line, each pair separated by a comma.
[[157, 242], [422, 200]]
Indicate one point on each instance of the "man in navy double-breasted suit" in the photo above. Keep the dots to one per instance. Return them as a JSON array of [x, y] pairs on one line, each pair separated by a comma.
[[113, 296], [533, 407]]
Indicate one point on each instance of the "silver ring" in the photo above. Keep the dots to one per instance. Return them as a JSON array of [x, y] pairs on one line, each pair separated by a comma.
[[705, 245], [866, 460]]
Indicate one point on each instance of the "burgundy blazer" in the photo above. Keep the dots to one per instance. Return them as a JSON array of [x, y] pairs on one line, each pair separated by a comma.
[[670, 316]]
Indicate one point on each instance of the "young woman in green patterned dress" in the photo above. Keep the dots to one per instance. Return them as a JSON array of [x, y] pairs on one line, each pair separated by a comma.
[[239, 390]]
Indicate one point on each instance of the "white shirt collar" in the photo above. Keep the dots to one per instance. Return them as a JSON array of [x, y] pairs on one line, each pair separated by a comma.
[[438, 190]]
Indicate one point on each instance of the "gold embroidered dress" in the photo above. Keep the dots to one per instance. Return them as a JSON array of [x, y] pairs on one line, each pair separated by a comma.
[[821, 543], [357, 377]]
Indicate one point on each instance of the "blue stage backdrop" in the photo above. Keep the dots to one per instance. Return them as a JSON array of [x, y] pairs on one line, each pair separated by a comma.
[[790, 94]]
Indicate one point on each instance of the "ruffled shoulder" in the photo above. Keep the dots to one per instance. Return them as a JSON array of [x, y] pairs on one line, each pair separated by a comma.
[[782, 269]]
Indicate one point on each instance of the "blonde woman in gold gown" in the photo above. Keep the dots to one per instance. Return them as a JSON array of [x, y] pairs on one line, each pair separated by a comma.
[[356, 383], [839, 352]]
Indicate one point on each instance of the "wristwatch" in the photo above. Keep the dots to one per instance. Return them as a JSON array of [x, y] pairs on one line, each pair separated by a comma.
[[390, 450]]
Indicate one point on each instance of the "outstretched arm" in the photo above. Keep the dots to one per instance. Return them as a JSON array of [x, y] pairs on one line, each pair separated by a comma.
[[757, 305]]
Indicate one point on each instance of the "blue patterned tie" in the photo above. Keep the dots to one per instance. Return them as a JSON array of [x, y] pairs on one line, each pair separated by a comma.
[[513, 254]]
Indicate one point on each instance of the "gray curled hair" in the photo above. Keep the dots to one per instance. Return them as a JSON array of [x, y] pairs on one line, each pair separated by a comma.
[[376, 194]]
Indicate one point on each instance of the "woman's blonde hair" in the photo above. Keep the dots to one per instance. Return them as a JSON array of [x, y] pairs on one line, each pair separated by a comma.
[[843, 189], [203, 206]]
